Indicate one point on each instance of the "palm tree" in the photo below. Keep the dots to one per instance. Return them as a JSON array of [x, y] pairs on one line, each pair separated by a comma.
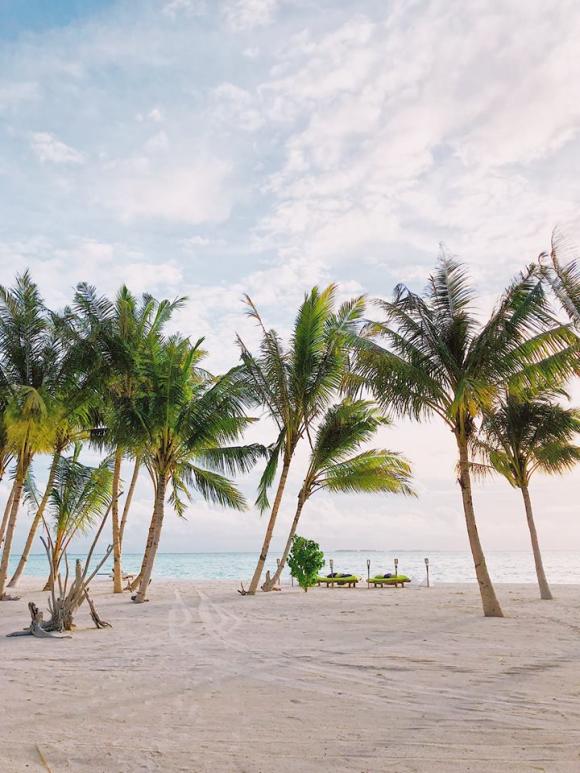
[[79, 497], [31, 374], [74, 414], [189, 416], [116, 336], [335, 467], [564, 279], [438, 360], [70, 427], [296, 385], [523, 435], [6, 458]]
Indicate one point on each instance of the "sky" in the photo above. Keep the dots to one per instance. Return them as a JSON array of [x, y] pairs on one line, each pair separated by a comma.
[[217, 148]]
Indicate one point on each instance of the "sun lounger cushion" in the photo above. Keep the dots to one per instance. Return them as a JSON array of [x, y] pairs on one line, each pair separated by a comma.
[[338, 579], [393, 580]]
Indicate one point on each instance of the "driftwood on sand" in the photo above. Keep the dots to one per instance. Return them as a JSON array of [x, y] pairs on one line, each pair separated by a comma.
[[36, 627], [63, 605]]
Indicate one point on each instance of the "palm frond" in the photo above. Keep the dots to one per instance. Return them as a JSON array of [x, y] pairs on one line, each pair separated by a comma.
[[372, 471]]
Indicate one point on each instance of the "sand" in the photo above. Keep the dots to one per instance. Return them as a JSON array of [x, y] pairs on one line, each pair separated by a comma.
[[201, 679]]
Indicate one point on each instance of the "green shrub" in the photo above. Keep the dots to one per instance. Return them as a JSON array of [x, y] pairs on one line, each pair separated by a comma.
[[306, 559]]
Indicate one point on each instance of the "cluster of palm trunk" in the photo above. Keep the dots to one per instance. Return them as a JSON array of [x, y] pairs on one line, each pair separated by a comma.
[[104, 376]]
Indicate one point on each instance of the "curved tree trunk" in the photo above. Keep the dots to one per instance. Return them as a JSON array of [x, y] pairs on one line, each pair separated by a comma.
[[6, 513], [117, 572], [36, 522], [270, 529], [23, 464], [278, 573], [128, 500], [56, 554], [489, 601], [545, 592], [152, 541]]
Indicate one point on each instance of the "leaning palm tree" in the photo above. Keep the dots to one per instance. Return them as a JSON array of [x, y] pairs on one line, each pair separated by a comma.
[[115, 337], [190, 418], [31, 373], [524, 435], [78, 499], [295, 385], [337, 468], [435, 359]]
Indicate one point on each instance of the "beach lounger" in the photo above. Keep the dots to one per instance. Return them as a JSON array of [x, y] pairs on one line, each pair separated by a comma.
[[347, 580], [388, 582]]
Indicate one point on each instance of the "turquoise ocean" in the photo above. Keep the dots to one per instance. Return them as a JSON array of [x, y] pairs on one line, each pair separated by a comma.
[[444, 566]]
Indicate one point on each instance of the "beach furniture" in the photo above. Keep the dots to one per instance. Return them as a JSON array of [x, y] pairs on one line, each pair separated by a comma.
[[395, 581], [346, 580]]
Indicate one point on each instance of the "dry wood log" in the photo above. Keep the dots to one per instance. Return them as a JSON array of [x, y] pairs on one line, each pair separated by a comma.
[[97, 620], [37, 626]]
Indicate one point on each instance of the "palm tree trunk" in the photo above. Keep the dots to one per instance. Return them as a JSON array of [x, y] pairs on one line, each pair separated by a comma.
[[36, 522], [278, 573], [56, 552], [490, 603], [6, 513], [545, 592], [270, 530], [117, 572], [23, 463], [128, 500], [152, 540]]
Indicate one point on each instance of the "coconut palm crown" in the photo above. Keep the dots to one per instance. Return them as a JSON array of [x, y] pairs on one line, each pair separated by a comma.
[[523, 435]]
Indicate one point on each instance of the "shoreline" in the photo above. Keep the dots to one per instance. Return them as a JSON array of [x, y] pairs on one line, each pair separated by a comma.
[[201, 679], [34, 583]]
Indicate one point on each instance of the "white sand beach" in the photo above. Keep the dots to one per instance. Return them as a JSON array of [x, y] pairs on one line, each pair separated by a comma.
[[201, 679]]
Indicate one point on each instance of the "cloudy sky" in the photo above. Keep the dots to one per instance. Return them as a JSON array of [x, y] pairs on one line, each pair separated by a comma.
[[264, 146]]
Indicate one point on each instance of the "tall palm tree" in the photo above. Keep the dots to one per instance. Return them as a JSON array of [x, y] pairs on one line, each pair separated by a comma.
[[189, 416], [524, 435], [116, 337], [74, 413], [31, 374], [79, 497], [295, 385], [336, 467], [437, 359]]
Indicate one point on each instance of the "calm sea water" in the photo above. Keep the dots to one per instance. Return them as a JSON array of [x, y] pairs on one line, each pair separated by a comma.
[[445, 566]]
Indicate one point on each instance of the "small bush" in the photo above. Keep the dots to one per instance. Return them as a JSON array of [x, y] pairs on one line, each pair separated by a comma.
[[306, 559]]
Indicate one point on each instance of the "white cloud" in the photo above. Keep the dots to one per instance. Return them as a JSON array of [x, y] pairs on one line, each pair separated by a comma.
[[243, 15], [192, 192], [196, 241], [158, 142], [13, 94], [50, 149], [156, 115], [173, 8], [238, 106]]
